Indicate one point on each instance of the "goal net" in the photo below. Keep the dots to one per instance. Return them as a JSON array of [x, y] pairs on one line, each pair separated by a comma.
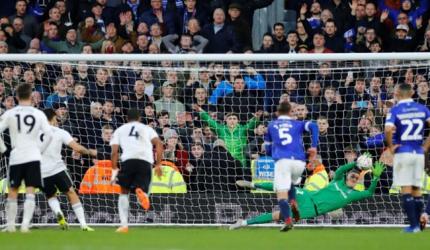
[[207, 151]]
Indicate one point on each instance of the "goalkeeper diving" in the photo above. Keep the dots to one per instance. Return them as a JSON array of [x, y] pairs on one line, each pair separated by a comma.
[[337, 194]]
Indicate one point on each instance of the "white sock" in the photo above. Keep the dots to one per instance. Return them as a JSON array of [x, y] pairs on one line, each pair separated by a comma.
[[11, 211], [79, 211], [54, 204], [123, 205], [29, 205]]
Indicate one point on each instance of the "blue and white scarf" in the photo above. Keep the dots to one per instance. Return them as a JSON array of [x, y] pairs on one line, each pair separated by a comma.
[[133, 7], [179, 4]]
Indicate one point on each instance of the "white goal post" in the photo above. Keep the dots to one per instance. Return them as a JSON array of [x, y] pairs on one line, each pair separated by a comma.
[[352, 116]]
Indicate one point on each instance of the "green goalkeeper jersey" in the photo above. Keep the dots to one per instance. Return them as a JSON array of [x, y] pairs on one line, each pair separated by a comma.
[[337, 194]]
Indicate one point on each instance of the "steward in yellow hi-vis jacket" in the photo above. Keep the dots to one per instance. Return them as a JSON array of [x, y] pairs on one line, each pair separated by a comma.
[[170, 182]]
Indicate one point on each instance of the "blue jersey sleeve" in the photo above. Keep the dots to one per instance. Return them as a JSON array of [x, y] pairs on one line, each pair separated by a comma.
[[391, 118], [312, 127]]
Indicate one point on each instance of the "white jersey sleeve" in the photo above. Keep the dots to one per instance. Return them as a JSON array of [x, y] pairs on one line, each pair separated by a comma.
[[115, 138], [4, 123], [150, 132], [66, 137]]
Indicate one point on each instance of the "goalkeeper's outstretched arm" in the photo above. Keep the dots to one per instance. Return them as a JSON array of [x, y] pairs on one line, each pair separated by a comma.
[[378, 168], [341, 171]]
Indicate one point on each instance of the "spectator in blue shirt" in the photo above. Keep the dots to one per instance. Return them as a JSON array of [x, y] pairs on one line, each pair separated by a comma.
[[60, 95], [253, 81]]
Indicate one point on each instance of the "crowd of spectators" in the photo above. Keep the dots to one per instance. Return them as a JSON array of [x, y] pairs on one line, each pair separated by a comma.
[[212, 26], [212, 115]]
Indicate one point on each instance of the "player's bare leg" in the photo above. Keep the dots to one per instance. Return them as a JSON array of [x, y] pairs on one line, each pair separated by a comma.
[[29, 205], [424, 219], [54, 204], [284, 206], [123, 206], [78, 209], [11, 210]]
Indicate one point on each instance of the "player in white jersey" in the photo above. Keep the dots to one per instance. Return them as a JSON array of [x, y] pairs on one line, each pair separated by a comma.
[[55, 175], [136, 141], [25, 124]]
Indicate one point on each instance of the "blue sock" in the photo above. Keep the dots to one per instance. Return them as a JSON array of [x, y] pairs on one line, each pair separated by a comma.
[[409, 207], [285, 209], [419, 206], [292, 193]]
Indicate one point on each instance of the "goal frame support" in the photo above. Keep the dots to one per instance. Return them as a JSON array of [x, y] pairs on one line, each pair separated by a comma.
[[216, 57]]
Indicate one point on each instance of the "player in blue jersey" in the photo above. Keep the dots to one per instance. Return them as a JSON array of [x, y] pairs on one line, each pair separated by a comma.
[[404, 125], [283, 141]]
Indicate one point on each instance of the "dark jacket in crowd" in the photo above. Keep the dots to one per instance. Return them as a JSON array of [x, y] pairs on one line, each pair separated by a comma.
[[222, 41], [216, 171], [335, 43], [248, 6], [98, 93], [243, 103], [280, 46], [79, 108], [243, 33], [168, 25]]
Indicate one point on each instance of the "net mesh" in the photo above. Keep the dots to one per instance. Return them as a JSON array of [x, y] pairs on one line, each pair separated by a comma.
[[203, 157]]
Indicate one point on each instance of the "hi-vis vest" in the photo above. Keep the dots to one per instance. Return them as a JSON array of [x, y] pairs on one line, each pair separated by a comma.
[[425, 189], [170, 182], [4, 189], [318, 180], [97, 180], [263, 170]]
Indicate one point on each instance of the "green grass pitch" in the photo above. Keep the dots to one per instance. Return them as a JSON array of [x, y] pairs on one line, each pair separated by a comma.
[[178, 238]]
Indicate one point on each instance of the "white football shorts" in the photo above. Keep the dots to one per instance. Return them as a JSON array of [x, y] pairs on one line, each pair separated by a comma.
[[286, 172], [408, 169]]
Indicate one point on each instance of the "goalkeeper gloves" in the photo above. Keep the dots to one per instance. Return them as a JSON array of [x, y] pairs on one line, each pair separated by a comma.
[[367, 154], [378, 168]]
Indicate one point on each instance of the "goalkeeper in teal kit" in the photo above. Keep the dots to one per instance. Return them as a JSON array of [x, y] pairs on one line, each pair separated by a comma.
[[339, 193]]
